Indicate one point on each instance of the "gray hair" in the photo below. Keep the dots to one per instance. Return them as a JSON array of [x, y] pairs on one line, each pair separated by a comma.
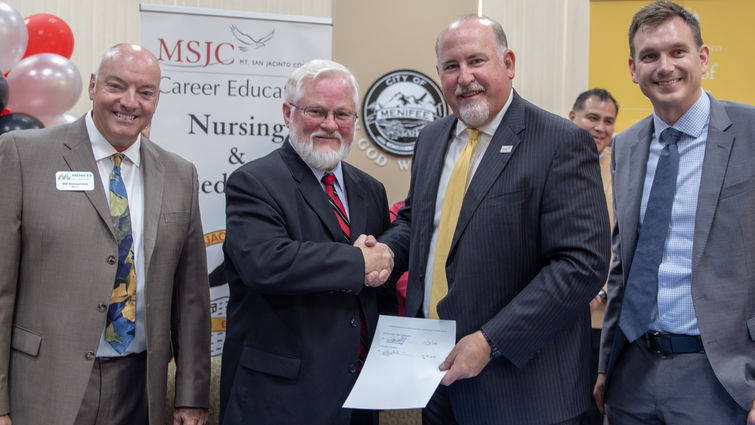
[[315, 69], [500, 36]]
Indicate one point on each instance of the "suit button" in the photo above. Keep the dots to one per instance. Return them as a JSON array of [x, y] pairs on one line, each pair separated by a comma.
[[354, 322], [101, 308], [111, 259], [89, 355], [352, 368]]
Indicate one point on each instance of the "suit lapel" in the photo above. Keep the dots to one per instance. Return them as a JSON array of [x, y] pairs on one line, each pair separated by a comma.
[[154, 180], [492, 164], [717, 151], [354, 188], [78, 154], [423, 205], [633, 173], [311, 191]]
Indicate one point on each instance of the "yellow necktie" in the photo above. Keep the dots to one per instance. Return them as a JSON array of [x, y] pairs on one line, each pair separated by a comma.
[[449, 215]]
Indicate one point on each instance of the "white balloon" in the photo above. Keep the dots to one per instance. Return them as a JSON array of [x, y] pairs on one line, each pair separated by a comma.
[[43, 85], [53, 120], [13, 37]]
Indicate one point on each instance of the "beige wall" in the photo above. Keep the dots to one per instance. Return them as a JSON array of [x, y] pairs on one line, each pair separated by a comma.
[[550, 39], [373, 37]]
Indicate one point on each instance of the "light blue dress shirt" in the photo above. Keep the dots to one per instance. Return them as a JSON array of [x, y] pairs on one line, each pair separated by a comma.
[[675, 312]]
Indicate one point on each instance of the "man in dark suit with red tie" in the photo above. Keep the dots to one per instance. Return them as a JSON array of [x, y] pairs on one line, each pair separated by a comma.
[[300, 316], [507, 218]]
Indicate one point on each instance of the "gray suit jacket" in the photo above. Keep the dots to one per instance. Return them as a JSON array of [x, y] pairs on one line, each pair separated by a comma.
[[530, 250], [723, 256], [55, 275]]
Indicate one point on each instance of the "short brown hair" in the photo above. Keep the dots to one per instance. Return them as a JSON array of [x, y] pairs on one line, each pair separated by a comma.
[[659, 12]]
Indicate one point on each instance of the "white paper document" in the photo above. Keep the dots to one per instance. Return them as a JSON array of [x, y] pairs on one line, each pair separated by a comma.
[[401, 370]]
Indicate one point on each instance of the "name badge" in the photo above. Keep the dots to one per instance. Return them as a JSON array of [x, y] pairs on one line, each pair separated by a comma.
[[74, 180]]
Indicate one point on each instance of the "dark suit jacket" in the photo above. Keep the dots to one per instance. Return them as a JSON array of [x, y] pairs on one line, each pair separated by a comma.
[[530, 250], [292, 340], [54, 275], [723, 266]]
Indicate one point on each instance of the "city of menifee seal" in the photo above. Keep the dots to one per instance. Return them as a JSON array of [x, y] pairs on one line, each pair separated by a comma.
[[397, 106]]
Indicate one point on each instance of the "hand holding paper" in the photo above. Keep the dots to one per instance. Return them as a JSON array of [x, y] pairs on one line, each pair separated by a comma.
[[401, 370]]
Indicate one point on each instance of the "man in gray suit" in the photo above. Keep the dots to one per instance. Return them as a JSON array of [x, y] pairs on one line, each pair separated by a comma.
[[102, 266], [678, 344], [509, 237]]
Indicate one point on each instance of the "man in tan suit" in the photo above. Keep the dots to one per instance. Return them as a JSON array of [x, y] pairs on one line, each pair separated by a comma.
[[595, 110], [99, 288]]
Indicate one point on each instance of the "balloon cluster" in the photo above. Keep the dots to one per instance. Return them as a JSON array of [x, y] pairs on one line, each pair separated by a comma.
[[38, 83]]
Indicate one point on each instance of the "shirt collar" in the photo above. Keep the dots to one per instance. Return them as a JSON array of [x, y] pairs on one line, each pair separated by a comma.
[[103, 149], [492, 126], [692, 123], [338, 172]]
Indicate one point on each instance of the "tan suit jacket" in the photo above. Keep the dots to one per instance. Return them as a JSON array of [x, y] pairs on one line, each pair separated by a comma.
[[596, 317], [57, 273]]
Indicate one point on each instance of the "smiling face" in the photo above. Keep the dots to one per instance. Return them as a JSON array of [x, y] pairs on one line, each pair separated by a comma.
[[597, 117], [475, 80], [124, 94], [669, 67], [322, 143]]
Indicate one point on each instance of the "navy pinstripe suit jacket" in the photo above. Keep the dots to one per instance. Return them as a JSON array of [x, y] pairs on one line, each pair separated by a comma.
[[531, 248]]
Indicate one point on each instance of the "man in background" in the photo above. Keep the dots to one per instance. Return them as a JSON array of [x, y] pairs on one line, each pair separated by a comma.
[[300, 316], [678, 343], [595, 110], [103, 275], [509, 237]]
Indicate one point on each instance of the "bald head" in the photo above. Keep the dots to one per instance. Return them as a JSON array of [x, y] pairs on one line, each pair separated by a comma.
[[135, 54]]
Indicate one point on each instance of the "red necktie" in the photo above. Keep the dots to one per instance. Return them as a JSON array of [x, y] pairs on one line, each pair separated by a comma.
[[343, 221], [338, 208]]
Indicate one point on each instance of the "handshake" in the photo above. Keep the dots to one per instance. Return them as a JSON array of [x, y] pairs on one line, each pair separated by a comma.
[[378, 260]]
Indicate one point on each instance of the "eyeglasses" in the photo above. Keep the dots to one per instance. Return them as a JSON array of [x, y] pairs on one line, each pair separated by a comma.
[[319, 114]]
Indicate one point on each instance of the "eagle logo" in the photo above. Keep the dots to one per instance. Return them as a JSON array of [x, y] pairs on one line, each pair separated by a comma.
[[248, 40]]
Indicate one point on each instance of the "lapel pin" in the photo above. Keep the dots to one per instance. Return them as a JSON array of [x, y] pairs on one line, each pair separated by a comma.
[[506, 148]]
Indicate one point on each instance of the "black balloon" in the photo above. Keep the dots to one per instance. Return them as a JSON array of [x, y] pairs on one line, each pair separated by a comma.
[[3, 92], [18, 121]]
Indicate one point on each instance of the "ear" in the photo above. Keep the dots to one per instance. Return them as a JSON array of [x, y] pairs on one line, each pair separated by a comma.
[[287, 113], [572, 115], [632, 70], [509, 61], [704, 53], [92, 79]]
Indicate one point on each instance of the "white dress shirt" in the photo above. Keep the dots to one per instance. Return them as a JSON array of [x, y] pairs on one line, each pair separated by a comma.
[[131, 173]]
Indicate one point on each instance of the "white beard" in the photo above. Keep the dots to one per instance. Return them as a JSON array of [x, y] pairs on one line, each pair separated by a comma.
[[319, 160], [473, 114]]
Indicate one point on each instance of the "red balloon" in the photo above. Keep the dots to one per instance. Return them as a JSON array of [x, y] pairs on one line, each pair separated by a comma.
[[48, 34]]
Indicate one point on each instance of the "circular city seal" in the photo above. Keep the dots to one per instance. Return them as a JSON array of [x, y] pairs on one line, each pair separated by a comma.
[[397, 106]]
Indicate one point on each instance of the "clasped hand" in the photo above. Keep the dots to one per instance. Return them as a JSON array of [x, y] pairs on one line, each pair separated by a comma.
[[378, 260]]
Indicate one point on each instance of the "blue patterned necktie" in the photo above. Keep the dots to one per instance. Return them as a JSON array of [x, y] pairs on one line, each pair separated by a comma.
[[121, 314], [641, 290]]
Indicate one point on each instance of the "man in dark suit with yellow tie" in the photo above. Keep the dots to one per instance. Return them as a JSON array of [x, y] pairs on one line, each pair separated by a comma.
[[504, 230]]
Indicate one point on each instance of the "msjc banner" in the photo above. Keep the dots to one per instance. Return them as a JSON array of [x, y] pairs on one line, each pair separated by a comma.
[[221, 94]]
